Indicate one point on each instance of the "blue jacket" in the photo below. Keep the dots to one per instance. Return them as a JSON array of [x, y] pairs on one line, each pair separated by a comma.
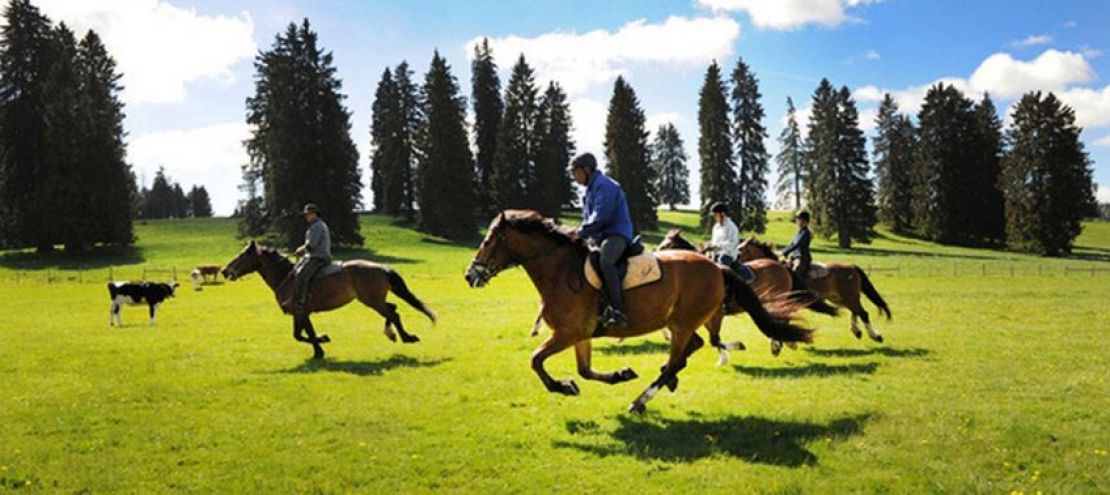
[[604, 210], [800, 245]]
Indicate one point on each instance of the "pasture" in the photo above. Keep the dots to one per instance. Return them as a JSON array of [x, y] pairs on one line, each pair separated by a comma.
[[992, 380]]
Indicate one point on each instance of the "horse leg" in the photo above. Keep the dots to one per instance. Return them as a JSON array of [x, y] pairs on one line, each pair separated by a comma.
[[582, 351], [555, 343], [876, 336], [776, 347], [393, 318], [695, 343], [538, 324], [317, 350], [714, 328], [677, 361]]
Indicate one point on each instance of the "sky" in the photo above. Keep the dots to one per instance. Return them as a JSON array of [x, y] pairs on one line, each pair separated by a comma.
[[187, 65]]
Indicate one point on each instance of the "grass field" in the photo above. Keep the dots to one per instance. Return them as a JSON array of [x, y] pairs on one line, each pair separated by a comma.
[[992, 380]]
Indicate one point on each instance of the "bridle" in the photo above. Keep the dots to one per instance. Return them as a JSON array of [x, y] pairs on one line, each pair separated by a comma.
[[485, 272]]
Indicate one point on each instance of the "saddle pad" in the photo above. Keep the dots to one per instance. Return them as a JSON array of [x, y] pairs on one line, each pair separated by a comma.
[[746, 273], [818, 270], [642, 270], [332, 269]]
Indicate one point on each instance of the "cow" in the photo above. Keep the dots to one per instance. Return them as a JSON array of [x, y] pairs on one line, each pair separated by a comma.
[[134, 293], [199, 275]]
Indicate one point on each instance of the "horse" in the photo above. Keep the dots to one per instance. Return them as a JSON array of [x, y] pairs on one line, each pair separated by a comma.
[[842, 286], [367, 281], [771, 278], [691, 290]]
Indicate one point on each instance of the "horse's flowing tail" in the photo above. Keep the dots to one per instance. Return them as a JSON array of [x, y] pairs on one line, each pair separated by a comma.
[[872, 294], [774, 324], [818, 305], [397, 285]]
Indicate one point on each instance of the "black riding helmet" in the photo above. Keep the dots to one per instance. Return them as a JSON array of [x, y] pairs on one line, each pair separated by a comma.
[[719, 207]]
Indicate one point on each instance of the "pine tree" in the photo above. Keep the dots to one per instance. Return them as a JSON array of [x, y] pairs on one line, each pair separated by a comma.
[[790, 159], [301, 143], [894, 149], [943, 198], [554, 149], [1046, 177], [410, 120], [513, 163], [627, 154], [855, 203], [751, 154], [668, 163], [160, 200], [718, 174], [445, 162], [65, 204], [985, 198], [384, 112], [104, 150], [486, 94], [25, 59], [200, 206], [821, 156]]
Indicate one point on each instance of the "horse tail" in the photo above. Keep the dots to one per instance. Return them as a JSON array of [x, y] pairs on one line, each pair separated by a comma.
[[872, 294], [775, 324], [818, 305], [397, 285]]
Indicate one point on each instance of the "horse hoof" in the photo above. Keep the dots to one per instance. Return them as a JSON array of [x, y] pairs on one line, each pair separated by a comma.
[[568, 387], [318, 355], [627, 374], [776, 348], [637, 408], [673, 385], [857, 333], [324, 339], [878, 338], [410, 339]]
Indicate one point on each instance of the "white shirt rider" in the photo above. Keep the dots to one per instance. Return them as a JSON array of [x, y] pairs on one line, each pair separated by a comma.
[[726, 236]]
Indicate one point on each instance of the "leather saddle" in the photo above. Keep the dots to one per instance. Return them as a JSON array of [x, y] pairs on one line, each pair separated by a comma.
[[332, 269], [635, 267]]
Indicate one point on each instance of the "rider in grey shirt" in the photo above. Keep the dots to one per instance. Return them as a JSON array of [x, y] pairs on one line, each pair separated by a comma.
[[317, 254]]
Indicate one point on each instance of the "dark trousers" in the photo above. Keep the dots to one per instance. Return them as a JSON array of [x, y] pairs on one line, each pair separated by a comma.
[[612, 248], [801, 267], [725, 259], [304, 271]]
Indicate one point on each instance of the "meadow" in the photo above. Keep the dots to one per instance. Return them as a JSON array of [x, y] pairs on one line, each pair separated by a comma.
[[993, 378]]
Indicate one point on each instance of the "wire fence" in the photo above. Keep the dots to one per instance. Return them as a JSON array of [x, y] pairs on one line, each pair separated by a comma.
[[908, 269]]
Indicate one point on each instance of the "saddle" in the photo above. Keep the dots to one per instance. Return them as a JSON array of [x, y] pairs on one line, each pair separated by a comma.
[[816, 270], [635, 267], [334, 268]]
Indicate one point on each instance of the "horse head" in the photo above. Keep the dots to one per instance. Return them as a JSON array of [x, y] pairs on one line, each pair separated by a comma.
[[513, 238], [245, 262]]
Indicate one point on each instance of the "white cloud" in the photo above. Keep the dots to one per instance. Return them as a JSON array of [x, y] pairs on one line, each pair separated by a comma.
[[582, 61], [1103, 141], [1032, 40], [160, 48], [207, 156], [1089, 52], [1092, 106], [589, 125], [871, 55], [789, 14], [1103, 194]]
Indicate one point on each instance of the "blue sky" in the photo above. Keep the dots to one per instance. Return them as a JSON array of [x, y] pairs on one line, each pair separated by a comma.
[[186, 109]]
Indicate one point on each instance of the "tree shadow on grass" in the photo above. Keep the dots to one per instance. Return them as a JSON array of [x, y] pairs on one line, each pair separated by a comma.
[[643, 347], [753, 439], [873, 351], [809, 370], [95, 258], [363, 368]]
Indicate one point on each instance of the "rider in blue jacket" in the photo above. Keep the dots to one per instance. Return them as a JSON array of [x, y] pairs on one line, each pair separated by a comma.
[[605, 223]]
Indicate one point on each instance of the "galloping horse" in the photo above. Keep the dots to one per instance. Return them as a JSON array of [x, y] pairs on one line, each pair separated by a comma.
[[362, 279], [691, 290], [771, 279], [842, 285]]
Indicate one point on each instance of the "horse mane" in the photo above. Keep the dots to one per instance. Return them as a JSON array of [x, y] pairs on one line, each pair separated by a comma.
[[532, 222], [273, 255], [679, 242], [765, 247]]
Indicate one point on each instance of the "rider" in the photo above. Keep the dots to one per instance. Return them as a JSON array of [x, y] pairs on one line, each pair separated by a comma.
[[726, 237], [317, 254], [798, 249], [606, 223]]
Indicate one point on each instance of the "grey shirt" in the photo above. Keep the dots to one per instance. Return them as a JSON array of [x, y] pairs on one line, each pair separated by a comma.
[[317, 241]]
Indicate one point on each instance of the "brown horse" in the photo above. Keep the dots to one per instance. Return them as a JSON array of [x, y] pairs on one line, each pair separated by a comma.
[[367, 281], [842, 285], [772, 279], [691, 290]]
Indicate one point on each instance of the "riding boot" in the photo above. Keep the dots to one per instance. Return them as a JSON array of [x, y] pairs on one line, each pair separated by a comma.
[[801, 269], [612, 248]]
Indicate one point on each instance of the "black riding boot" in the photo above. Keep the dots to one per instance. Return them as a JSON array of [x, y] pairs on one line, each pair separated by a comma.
[[612, 248]]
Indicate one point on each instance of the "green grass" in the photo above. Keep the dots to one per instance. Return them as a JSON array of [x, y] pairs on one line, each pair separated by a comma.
[[986, 384]]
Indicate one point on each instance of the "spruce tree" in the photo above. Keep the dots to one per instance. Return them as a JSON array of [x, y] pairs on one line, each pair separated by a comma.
[[718, 174], [855, 210], [894, 153], [751, 154], [1046, 177], [554, 148], [943, 196], [790, 159], [409, 122], [25, 48], [445, 168], [821, 156], [668, 163], [301, 143], [486, 94], [513, 163], [200, 206], [160, 198], [985, 198], [627, 154], [383, 111], [64, 202]]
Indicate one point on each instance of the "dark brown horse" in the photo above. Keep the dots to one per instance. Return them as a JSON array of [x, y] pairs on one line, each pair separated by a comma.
[[842, 285], [772, 279], [691, 291], [367, 281]]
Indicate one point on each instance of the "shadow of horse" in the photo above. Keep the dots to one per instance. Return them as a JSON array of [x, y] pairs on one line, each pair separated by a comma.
[[809, 370], [643, 347], [881, 351], [363, 368], [753, 439]]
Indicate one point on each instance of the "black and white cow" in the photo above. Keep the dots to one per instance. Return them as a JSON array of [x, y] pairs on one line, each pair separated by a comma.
[[134, 293]]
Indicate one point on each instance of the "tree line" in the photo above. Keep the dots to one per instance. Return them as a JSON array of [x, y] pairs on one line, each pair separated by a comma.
[[166, 199], [63, 177]]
